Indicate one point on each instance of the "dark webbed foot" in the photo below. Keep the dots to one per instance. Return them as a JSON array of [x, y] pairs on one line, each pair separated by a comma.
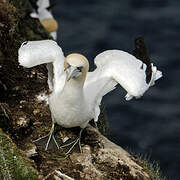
[[49, 141], [73, 145]]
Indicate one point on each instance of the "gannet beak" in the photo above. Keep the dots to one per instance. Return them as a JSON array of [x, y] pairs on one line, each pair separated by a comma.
[[73, 72]]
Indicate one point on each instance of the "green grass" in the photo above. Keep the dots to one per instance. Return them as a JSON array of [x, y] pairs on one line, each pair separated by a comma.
[[151, 167], [12, 164]]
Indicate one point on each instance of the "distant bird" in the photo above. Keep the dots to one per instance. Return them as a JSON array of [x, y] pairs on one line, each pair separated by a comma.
[[42, 12], [76, 93]]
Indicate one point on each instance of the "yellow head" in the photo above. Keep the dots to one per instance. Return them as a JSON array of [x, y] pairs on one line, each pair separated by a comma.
[[76, 66]]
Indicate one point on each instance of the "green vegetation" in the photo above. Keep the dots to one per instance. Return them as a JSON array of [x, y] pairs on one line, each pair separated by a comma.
[[152, 168], [12, 164]]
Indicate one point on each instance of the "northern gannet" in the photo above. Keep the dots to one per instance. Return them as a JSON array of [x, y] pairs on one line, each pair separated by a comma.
[[45, 16], [76, 93]]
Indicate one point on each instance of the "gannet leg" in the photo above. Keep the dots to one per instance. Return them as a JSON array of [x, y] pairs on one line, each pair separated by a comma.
[[50, 136], [80, 133], [96, 126], [73, 143]]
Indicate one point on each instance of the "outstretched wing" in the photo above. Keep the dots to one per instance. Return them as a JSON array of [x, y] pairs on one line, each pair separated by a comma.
[[33, 53], [117, 67]]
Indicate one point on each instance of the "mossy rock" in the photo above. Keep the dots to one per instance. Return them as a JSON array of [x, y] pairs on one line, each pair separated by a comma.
[[12, 164]]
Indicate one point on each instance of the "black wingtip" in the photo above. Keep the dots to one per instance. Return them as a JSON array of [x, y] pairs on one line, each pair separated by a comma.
[[51, 6], [141, 53], [33, 4]]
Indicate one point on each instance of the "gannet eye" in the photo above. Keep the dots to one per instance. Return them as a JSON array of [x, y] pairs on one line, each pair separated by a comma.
[[24, 43], [80, 68]]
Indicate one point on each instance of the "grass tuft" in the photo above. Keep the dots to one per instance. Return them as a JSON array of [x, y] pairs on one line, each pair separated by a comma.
[[150, 167]]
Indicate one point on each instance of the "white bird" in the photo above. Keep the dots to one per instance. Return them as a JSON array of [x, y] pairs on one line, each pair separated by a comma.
[[76, 93], [46, 18]]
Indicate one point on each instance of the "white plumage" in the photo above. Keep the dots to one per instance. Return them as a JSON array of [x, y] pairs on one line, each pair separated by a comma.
[[76, 101]]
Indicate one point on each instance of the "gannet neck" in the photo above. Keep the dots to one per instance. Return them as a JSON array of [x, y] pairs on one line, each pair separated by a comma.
[[75, 87], [71, 95]]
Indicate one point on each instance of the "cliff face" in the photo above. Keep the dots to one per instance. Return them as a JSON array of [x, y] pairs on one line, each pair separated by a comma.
[[23, 118]]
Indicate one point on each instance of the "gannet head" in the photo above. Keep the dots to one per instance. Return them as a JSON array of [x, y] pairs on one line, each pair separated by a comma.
[[76, 67]]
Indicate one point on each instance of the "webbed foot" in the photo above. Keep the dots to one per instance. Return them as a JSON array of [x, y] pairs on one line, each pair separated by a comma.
[[73, 145], [49, 141]]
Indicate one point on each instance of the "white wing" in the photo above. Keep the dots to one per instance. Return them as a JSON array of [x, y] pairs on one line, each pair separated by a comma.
[[113, 67], [33, 53]]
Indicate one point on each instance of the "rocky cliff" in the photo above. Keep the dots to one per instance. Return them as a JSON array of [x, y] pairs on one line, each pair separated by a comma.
[[24, 118]]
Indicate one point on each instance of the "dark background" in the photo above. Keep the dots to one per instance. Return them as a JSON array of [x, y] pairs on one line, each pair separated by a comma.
[[151, 124]]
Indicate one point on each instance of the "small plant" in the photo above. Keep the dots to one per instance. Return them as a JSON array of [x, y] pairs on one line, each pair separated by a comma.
[[150, 167]]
